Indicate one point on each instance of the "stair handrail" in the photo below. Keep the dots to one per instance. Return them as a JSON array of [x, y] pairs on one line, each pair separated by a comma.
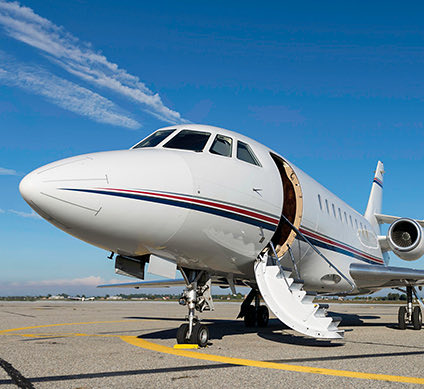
[[280, 266], [319, 253], [293, 261]]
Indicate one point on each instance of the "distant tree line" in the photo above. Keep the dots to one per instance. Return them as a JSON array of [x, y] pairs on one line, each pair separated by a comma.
[[389, 297], [161, 297]]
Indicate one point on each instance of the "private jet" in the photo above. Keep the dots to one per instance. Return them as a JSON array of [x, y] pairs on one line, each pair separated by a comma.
[[223, 209]]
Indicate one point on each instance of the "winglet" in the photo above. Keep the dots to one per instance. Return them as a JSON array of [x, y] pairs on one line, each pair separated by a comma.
[[376, 197]]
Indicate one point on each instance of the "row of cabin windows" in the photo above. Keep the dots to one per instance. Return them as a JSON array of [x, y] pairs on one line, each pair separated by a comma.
[[196, 141], [343, 216]]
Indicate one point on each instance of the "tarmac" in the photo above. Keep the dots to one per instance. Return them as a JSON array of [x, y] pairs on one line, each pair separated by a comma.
[[130, 345]]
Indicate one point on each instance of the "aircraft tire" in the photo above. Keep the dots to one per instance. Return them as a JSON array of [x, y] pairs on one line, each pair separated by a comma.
[[250, 316], [402, 318], [417, 318], [182, 334], [200, 335], [262, 316]]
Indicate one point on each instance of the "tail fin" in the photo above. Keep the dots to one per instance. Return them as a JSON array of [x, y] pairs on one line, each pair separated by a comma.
[[376, 197]]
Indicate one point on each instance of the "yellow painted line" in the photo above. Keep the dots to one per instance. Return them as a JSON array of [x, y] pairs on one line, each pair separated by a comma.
[[222, 359], [67, 324], [268, 365], [62, 335], [185, 346]]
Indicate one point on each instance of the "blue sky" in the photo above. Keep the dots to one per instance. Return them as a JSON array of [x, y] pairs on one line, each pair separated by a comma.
[[334, 87]]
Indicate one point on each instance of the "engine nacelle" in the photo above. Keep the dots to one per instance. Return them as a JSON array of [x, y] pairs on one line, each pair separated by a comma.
[[405, 238]]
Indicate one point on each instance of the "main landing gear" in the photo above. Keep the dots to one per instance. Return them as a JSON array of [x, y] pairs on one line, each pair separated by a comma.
[[409, 314], [254, 314], [197, 296]]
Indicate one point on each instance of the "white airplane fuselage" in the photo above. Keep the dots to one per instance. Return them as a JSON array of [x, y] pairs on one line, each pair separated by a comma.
[[202, 210]]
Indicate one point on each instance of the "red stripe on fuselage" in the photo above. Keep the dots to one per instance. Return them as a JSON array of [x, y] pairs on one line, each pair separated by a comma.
[[337, 244], [203, 202]]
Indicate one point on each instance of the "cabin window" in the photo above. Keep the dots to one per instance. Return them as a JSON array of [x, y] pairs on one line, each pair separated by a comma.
[[345, 215], [362, 229], [334, 210], [320, 204], [154, 139], [340, 215], [326, 206], [222, 145], [188, 140], [245, 153], [356, 224], [351, 222]]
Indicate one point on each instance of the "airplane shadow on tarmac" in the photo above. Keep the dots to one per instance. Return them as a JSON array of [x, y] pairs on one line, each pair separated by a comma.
[[356, 320], [219, 328]]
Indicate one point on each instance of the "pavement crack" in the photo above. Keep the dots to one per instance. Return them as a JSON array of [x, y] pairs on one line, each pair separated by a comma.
[[18, 379]]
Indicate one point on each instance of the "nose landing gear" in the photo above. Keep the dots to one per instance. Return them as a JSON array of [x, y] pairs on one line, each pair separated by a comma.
[[409, 314], [199, 334], [197, 296]]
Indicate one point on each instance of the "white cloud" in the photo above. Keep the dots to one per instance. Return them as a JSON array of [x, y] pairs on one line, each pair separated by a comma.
[[31, 214], [79, 59], [4, 171], [2, 210], [63, 93]]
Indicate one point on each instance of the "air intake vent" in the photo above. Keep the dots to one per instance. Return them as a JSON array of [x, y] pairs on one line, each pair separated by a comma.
[[405, 238], [402, 238], [404, 234]]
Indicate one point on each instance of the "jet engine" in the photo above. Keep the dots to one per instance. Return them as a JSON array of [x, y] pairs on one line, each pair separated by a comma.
[[405, 238]]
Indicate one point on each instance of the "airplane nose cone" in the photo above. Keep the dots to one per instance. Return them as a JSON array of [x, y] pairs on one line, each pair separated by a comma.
[[44, 188], [114, 200], [29, 187]]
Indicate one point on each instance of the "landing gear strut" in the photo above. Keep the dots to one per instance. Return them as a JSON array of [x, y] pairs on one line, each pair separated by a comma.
[[197, 296], [254, 314], [409, 314]]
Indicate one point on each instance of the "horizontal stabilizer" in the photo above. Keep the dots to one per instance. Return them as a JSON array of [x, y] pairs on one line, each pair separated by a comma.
[[388, 219]]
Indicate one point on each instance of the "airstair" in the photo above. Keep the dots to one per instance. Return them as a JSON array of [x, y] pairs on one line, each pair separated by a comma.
[[286, 298]]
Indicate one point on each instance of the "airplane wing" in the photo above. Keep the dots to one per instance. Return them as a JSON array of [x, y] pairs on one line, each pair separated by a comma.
[[388, 219], [146, 284], [220, 281], [368, 276]]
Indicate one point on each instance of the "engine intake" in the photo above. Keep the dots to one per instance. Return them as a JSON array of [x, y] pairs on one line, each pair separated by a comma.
[[405, 238]]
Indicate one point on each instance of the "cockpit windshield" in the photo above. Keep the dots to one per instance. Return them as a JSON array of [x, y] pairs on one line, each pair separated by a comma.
[[154, 139], [222, 145], [188, 140], [245, 153]]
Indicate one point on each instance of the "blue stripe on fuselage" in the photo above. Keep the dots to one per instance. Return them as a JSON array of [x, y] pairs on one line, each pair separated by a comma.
[[182, 204], [336, 249]]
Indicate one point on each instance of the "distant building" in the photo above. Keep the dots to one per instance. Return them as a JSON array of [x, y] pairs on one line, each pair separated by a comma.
[[56, 298], [114, 298]]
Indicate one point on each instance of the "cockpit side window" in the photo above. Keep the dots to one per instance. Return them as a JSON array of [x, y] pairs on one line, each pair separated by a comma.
[[222, 145], [154, 139], [245, 153], [188, 140]]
